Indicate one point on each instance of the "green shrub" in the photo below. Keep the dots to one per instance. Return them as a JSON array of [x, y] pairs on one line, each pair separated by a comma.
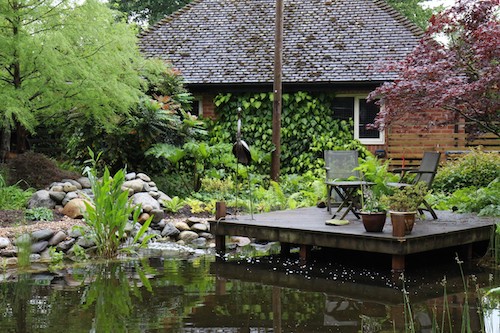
[[39, 214], [13, 198], [476, 169]]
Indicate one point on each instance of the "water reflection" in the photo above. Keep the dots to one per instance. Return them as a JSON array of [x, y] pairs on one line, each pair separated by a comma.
[[269, 294]]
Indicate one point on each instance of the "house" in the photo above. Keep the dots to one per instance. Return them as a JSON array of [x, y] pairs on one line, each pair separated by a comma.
[[328, 46]]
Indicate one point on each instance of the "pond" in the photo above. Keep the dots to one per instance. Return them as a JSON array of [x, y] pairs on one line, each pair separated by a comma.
[[241, 293]]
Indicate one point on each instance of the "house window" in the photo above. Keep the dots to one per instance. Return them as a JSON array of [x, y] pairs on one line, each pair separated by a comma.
[[363, 113], [197, 106]]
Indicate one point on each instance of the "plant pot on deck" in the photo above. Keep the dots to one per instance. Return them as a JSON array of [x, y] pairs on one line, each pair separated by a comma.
[[373, 221], [402, 223]]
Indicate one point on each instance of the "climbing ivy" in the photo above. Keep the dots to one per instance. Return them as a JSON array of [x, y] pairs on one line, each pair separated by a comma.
[[307, 128]]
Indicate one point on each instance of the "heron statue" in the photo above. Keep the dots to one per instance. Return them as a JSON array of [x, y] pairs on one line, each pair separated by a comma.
[[242, 153]]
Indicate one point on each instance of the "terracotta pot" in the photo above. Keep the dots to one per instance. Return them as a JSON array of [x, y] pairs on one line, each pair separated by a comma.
[[402, 223], [373, 222]]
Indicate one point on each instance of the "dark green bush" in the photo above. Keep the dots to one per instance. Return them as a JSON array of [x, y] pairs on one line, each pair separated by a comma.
[[476, 169]]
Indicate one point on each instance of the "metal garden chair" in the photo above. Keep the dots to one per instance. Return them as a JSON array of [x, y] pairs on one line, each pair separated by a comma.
[[425, 173]]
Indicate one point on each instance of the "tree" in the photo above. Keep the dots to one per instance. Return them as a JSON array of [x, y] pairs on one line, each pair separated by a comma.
[[458, 78], [62, 60], [413, 10], [148, 11]]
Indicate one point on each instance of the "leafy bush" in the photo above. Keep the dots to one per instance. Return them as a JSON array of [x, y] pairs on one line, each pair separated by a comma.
[[13, 197], [484, 201], [39, 214], [476, 169]]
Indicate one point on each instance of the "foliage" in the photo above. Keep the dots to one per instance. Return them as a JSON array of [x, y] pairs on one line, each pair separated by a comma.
[[39, 214], [485, 201], [148, 12], [377, 173], [459, 78], [413, 10], [65, 62], [308, 128], [110, 210], [407, 198], [173, 205], [161, 118], [13, 197], [476, 168]]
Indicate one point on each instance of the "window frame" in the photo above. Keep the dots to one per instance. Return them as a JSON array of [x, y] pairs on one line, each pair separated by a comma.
[[367, 141]]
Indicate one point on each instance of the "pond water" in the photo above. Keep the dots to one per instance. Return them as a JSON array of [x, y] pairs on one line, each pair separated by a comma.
[[239, 294]]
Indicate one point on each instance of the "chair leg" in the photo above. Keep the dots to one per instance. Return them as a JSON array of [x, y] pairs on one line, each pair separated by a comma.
[[328, 198], [429, 208]]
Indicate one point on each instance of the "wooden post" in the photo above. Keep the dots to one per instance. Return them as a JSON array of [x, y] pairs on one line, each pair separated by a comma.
[[305, 252], [277, 90], [284, 248], [220, 210], [398, 263]]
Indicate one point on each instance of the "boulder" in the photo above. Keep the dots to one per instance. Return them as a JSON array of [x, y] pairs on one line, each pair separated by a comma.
[[143, 177], [158, 215], [170, 230], [136, 185], [65, 245], [199, 242], [73, 182], [188, 236], [199, 227], [143, 218], [57, 196], [41, 198], [68, 187], [145, 200], [68, 197], [85, 182], [75, 208], [41, 235], [130, 176], [57, 238], [4, 242], [182, 226], [39, 246]]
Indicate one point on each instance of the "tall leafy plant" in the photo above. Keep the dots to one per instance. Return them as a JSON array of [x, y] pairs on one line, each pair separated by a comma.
[[109, 212]]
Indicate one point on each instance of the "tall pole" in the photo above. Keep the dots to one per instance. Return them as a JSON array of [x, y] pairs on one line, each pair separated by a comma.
[[277, 90]]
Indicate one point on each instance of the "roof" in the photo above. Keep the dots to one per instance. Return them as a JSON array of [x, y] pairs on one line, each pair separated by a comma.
[[324, 41]]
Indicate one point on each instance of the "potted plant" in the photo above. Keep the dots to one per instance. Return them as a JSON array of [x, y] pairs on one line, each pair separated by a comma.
[[403, 205], [373, 210]]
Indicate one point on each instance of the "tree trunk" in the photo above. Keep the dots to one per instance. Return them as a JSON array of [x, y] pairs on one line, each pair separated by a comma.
[[5, 134]]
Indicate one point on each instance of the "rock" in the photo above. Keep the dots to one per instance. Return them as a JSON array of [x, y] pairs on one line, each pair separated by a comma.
[[240, 241], [73, 182], [206, 235], [136, 185], [75, 208], [130, 176], [161, 224], [85, 182], [143, 218], [170, 230], [22, 239], [193, 220], [199, 242], [41, 198], [68, 197], [182, 226], [45, 255], [68, 187], [57, 238], [187, 236], [154, 194], [76, 232], [147, 208], [199, 227], [57, 196], [4, 242], [12, 252], [10, 261], [65, 245], [143, 177], [56, 188], [85, 242], [158, 215], [39, 246], [41, 235], [164, 197], [144, 200], [34, 257]]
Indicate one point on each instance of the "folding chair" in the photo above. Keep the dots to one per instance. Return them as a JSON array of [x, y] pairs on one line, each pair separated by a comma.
[[343, 179], [425, 173]]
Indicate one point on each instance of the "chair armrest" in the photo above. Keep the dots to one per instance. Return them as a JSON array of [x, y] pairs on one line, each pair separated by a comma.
[[399, 170]]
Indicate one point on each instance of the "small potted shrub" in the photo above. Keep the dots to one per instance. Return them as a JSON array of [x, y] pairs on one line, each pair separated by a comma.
[[373, 209], [403, 205]]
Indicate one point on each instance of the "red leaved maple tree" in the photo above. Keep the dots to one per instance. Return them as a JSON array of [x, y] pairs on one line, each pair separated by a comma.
[[458, 77]]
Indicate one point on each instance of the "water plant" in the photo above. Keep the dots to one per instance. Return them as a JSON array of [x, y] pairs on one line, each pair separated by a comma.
[[109, 211]]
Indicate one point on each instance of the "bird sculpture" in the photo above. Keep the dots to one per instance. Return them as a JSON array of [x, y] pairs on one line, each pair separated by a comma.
[[240, 148]]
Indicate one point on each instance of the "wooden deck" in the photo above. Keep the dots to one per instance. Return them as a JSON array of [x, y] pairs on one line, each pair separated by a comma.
[[306, 227]]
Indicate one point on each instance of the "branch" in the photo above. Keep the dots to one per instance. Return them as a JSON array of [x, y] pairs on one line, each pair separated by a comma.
[[485, 125]]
